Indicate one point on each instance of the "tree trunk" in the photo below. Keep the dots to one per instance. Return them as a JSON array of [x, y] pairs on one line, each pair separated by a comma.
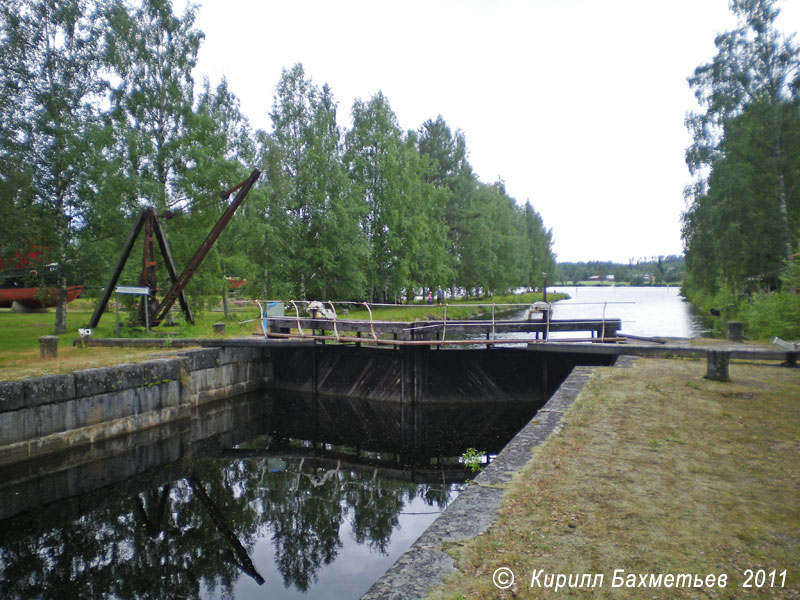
[[61, 305], [782, 206], [61, 289], [225, 308], [302, 285], [787, 241]]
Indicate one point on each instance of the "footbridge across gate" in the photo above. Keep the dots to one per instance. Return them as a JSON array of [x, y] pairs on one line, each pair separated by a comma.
[[428, 361]]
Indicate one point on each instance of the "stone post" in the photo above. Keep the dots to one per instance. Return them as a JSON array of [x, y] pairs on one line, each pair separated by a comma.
[[735, 331], [219, 328], [48, 346], [717, 365]]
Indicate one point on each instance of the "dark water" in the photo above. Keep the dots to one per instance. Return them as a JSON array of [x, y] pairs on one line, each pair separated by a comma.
[[258, 497]]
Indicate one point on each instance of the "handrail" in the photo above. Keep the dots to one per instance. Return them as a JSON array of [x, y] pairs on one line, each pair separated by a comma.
[[371, 324], [334, 320], [297, 310], [463, 322], [493, 326]]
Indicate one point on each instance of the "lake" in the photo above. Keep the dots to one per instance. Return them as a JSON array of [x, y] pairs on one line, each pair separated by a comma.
[[644, 311]]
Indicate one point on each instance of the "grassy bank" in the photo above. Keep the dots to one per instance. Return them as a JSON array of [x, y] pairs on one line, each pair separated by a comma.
[[657, 470], [19, 339], [764, 314]]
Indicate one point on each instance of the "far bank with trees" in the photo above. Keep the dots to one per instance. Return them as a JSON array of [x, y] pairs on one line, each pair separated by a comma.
[[655, 270]]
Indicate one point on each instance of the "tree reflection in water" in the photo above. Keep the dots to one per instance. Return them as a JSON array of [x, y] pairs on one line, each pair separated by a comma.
[[254, 508], [194, 537]]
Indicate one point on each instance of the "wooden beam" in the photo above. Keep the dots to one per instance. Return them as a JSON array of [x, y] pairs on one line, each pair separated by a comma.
[[173, 272], [123, 258], [194, 263]]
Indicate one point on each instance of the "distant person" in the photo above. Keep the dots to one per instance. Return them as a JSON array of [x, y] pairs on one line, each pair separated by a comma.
[[439, 295], [430, 297]]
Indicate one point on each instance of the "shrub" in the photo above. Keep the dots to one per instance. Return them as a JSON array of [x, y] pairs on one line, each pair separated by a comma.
[[772, 314]]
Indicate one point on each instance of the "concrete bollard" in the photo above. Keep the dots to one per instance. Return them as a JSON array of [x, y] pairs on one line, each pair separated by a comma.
[[219, 328], [735, 331], [48, 346], [717, 365]]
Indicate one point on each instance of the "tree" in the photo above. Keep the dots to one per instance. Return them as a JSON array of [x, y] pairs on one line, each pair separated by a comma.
[[337, 248], [50, 57], [402, 206], [451, 173], [735, 231], [220, 152], [152, 52], [372, 156], [536, 256], [317, 248], [422, 206], [743, 151]]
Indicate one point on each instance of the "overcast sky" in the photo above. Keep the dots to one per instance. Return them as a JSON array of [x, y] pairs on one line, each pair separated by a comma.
[[578, 105]]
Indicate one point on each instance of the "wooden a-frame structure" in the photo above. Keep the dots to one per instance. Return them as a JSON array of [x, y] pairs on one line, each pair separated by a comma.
[[153, 231]]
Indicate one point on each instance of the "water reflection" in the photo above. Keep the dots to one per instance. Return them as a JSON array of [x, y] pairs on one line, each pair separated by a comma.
[[301, 498]]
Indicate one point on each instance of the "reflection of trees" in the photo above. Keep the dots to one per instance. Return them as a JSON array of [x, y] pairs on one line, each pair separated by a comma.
[[198, 533], [376, 505], [304, 512], [305, 507]]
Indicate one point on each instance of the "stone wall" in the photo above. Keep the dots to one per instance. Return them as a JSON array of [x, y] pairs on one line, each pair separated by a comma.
[[42, 415]]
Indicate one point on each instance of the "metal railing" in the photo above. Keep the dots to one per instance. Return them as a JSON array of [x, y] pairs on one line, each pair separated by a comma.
[[325, 317]]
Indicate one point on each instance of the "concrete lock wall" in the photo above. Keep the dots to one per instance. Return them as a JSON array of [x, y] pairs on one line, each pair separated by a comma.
[[42, 415]]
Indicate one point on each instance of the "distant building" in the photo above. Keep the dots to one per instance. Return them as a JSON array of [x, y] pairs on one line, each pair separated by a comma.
[[609, 278], [594, 278]]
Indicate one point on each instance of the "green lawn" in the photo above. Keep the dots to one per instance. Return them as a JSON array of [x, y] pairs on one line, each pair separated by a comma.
[[19, 338]]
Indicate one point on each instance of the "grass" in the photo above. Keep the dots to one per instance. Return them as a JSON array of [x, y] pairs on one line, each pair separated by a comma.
[[657, 470], [19, 339]]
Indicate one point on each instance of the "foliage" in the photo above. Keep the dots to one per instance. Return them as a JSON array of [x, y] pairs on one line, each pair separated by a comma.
[[473, 459], [644, 271], [767, 315], [101, 121], [741, 226], [321, 247], [50, 53]]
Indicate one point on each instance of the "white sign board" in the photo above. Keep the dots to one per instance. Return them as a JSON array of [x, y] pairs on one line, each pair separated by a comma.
[[133, 291]]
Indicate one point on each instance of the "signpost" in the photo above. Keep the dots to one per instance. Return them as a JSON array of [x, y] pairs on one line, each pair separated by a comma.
[[130, 290]]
